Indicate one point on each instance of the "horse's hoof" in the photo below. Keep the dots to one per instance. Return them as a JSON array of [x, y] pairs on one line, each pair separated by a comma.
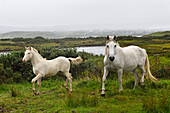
[[121, 90], [103, 95]]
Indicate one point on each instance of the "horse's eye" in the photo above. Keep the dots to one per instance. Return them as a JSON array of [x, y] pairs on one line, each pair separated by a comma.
[[28, 53], [115, 45], [107, 46]]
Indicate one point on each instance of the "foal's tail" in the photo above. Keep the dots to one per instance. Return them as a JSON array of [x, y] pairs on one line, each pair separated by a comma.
[[147, 67], [76, 61]]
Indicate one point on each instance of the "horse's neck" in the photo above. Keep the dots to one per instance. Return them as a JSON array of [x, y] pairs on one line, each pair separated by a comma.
[[35, 59], [120, 51]]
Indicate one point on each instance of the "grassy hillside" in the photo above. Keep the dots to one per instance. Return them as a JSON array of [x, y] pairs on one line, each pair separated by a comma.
[[159, 34], [154, 44], [28, 34]]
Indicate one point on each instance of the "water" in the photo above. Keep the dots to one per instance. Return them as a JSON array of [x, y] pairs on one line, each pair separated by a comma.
[[97, 50], [4, 53]]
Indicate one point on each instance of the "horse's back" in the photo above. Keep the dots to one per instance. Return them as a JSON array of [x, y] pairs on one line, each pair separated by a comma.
[[134, 56], [135, 49]]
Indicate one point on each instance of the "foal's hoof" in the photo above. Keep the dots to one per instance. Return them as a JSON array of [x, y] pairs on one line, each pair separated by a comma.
[[103, 95], [142, 84], [37, 94], [67, 88], [34, 92]]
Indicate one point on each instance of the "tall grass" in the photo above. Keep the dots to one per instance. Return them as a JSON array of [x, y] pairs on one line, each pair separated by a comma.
[[14, 91], [84, 99], [154, 105]]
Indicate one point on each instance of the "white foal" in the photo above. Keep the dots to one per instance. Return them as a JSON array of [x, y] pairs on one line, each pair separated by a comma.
[[125, 59], [45, 68]]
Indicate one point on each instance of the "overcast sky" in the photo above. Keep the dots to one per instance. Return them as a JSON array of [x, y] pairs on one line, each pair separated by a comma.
[[37, 13]]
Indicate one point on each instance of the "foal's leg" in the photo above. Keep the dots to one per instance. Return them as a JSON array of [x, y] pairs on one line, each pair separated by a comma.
[[39, 84], [69, 77], [143, 74], [104, 81], [65, 85], [135, 74], [120, 72], [39, 76]]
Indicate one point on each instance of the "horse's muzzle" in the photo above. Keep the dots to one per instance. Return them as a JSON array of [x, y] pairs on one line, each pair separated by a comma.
[[111, 58]]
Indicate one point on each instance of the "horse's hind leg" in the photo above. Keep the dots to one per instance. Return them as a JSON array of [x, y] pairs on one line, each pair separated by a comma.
[[136, 76], [69, 77], [143, 74]]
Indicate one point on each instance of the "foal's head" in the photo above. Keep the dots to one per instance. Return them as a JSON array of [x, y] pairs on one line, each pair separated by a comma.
[[28, 54], [111, 47]]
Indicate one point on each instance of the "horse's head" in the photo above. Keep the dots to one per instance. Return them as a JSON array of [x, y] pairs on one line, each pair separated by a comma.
[[111, 47], [28, 54]]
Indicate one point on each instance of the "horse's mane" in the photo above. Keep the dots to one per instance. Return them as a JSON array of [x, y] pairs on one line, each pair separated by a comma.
[[36, 51], [108, 42]]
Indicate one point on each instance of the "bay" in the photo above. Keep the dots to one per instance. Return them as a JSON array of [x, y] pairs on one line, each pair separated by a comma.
[[96, 50]]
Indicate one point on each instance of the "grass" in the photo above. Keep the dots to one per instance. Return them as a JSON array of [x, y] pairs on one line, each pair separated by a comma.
[[85, 97]]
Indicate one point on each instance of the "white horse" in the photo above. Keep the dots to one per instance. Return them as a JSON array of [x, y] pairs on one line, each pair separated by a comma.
[[45, 68], [125, 59]]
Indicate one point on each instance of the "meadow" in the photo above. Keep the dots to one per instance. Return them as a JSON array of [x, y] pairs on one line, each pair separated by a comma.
[[15, 87]]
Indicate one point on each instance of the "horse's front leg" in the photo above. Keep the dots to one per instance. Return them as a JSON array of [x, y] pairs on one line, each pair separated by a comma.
[[39, 76], [104, 81], [120, 72]]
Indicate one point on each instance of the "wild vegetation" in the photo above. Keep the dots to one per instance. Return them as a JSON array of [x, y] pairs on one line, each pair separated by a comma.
[[15, 87]]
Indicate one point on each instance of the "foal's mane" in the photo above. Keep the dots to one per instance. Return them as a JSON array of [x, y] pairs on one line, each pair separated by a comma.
[[36, 51]]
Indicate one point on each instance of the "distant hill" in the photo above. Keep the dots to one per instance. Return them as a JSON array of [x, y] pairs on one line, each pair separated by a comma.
[[158, 34], [67, 34], [28, 34]]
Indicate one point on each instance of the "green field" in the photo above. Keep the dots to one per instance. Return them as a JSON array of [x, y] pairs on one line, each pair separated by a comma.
[[15, 79], [86, 97]]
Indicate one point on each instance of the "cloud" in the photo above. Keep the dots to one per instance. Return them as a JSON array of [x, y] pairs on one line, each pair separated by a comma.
[[29, 13]]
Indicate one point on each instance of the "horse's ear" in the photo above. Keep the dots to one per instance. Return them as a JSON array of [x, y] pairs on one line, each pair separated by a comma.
[[107, 37], [115, 37], [26, 48]]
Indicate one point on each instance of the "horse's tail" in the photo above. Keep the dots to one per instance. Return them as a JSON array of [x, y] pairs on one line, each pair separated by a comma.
[[77, 60], [149, 74]]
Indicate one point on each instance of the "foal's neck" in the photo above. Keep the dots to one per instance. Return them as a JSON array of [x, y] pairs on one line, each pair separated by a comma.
[[35, 59]]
